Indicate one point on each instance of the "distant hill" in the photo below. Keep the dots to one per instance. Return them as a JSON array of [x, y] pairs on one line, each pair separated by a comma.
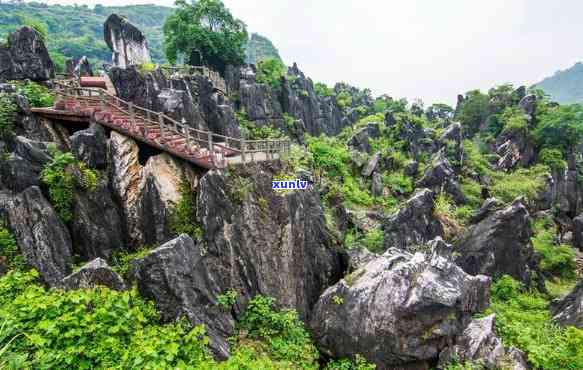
[[259, 48], [76, 30], [565, 87]]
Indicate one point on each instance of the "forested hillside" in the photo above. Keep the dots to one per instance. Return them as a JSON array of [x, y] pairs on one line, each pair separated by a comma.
[[76, 31], [566, 86]]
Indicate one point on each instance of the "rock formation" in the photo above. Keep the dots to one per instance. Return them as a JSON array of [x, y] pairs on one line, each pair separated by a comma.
[[93, 274], [569, 309], [128, 44], [414, 224], [500, 244], [78, 67], [399, 309], [25, 56]]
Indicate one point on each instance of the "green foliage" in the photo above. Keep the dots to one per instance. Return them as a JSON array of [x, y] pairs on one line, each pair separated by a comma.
[[473, 111], [120, 260], [553, 158], [271, 72], [398, 182], [36, 25], [97, 328], [526, 182], [251, 131], [36, 94], [147, 67], [560, 127], [329, 156], [206, 27], [7, 115], [513, 120], [322, 89], [523, 320], [556, 260], [358, 363], [183, 216], [284, 333], [374, 240], [9, 251], [228, 299], [344, 99], [57, 175]]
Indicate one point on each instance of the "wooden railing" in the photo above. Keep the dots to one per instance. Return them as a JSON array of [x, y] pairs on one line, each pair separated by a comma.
[[199, 143]]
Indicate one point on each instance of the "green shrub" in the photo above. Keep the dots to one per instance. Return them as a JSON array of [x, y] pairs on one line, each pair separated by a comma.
[[553, 158], [344, 99], [147, 67], [398, 182], [121, 259], [374, 240], [9, 250], [523, 320], [329, 155], [97, 328], [228, 299], [61, 182], [322, 89], [271, 72], [251, 131], [183, 215], [514, 120], [358, 363], [37, 95], [7, 115], [284, 333], [528, 182], [556, 260]]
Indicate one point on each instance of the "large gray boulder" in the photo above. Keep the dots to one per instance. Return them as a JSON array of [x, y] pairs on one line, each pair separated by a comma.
[[440, 176], [265, 243], [569, 310], [90, 146], [414, 224], [176, 277], [126, 41], [96, 228], [91, 275], [360, 140], [23, 165], [578, 232], [500, 245], [399, 309], [25, 56], [42, 237], [79, 67], [478, 343]]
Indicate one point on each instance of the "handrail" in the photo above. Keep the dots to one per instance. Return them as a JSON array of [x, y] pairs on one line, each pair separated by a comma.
[[198, 143]]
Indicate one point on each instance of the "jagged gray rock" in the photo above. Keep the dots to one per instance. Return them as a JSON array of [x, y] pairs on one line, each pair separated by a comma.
[[489, 206], [399, 309], [440, 176], [479, 344], [176, 277], [25, 56], [90, 146], [22, 167], [414, 224], [91, 275], [96, 228], [260, 242], [377, 184], [126, 41], [514, 147], [578, 232], [372, 165], [360, 140], [80, 67], [42, 237], [569, 309], [500, 244]]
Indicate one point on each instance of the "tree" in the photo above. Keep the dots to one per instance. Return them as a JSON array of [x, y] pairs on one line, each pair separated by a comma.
[[270, 71], [560, 127], [474, 111], [206, 30]]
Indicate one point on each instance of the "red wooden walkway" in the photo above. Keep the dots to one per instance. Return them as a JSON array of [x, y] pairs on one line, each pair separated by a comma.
[[203, 148]]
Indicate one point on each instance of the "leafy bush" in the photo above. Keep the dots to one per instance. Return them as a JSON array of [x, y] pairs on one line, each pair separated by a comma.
[[398, 182], [121, 259], [553, 158], [9, 250], [374, 240], [526, 182], [97, 328], [250, 131], [359, 363], [329, 155], [560, 127], [322, 89], [36, 94], [473, 111], [61, 182], [270, 72], [523, 320], [227, 299], [282, 330], [183, 216], [7, 115], [514, 120], [344, 99], [557, 260]]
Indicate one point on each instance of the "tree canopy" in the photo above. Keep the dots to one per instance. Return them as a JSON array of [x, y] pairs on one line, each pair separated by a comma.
[[205, 30]]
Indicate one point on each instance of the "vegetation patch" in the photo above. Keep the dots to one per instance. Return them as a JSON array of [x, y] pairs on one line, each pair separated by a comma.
[[183, 219]]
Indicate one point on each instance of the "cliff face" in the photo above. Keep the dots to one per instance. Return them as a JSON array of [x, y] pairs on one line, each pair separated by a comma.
[[128, 44], [25, 56]]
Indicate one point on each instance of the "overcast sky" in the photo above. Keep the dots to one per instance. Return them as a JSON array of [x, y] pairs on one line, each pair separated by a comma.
[[426, 49]]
